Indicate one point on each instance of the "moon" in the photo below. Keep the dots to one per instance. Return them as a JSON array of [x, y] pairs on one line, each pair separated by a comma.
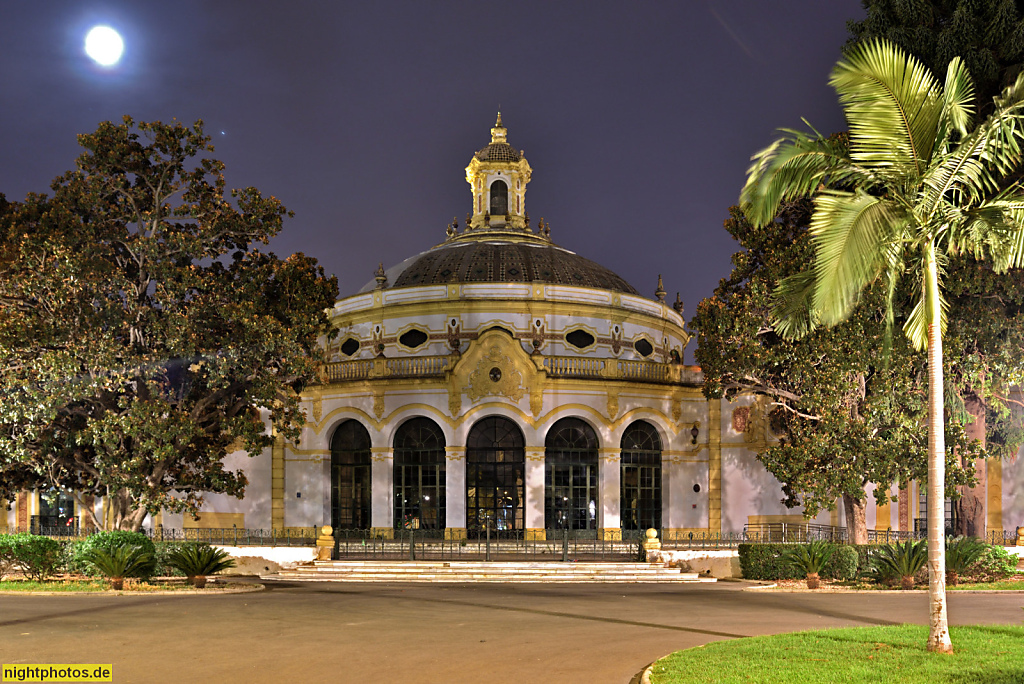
[[104, 45]]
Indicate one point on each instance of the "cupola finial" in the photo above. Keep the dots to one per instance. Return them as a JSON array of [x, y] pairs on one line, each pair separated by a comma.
[[660, 292], [381, 277], [499, 133]]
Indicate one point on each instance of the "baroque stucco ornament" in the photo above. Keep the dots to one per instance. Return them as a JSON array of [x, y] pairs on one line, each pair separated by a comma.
[[495, 374]]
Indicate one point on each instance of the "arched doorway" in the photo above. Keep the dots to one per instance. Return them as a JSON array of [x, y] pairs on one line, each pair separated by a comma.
[[350, 477], [495, 468], [419, 475], [640, 478], [570, 476]]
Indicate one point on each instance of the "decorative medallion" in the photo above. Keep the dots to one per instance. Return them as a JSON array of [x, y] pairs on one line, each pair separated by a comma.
[[318, 409], [677, 408], [489, 379], [613, 405], [454, 402], [536, 402], [378, 405]]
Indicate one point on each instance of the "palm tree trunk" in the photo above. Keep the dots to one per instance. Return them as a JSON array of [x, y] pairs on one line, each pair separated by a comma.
[[938, 634]]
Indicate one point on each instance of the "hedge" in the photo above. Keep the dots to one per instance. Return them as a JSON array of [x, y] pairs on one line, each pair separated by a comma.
[[108, 541], [36, 556], [765, 562]]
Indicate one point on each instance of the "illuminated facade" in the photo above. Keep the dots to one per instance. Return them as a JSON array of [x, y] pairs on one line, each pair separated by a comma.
[[500, 380]]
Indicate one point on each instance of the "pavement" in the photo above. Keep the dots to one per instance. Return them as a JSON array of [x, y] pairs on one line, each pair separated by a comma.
[[411, 633]]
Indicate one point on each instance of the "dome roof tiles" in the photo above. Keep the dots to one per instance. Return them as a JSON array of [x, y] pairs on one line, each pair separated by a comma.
[[498, 151], [507, 262]]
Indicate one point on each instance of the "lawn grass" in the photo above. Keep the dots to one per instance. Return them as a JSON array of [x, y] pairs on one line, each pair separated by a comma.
[[894, 655], [53, 585], [1006, 584]]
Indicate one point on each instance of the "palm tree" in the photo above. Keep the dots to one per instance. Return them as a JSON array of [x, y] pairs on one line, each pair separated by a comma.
[[914, 183]]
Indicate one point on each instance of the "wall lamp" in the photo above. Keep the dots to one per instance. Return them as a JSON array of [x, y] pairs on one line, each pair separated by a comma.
[[694, 431]]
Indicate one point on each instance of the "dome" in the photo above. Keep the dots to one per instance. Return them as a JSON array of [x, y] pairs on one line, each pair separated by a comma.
[[498, 151], [506, 261]]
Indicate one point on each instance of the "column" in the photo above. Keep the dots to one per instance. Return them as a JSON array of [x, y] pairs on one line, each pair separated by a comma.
[[608, 493], [455, 492], [714, 431], [382, 491], [534, 484]]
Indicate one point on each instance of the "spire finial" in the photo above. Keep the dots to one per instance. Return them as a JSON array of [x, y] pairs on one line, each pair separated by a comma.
[[678, 304], [499, 133], [660, 292], [381, 277]]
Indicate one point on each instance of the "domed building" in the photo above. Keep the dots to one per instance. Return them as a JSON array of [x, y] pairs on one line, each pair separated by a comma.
[[500, 381]]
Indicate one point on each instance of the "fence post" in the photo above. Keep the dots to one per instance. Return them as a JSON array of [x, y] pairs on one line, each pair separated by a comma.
[[565, 544], [487, 552], [412, 546]]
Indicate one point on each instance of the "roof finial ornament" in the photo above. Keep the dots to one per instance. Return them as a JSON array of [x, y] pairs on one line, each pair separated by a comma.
[[453, 227], [499, 133], [660, 292], [527, 219], [381, 277], [678, 305]]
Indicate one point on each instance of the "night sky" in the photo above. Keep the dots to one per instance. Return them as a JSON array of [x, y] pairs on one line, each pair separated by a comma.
[[638, 118]]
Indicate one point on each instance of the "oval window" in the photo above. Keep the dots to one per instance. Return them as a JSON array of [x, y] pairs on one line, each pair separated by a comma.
[[413, 338], [643, 347], [580, 339], [350, 346]]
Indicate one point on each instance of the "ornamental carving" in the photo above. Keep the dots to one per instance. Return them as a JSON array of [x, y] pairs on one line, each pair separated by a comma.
[[740, 417], [613, 405], [495, 375], [318, 409], [378, 405]]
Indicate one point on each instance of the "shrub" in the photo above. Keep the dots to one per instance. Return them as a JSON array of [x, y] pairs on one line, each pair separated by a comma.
[[108, 541], [995, 563], [7, 561], [899, 562], [117, 562], [36, 556], [163, 565], [197, 561], [766, 562], [809, 560], [961, 554]]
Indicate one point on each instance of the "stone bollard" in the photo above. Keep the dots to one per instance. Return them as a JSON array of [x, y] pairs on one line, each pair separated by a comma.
[[651, 544], [325, 543]]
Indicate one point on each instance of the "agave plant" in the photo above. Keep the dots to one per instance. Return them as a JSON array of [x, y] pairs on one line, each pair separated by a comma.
[[961, 554], [196, 561], [810, 559], [118, 562], [900, 561]]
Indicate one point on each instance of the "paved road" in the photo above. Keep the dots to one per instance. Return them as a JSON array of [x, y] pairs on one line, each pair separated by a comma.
[[431, 633]]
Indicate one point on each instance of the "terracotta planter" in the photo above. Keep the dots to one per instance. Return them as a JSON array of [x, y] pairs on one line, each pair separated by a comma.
[[813, 580], [198, 581], [117, 583], [952, 578], [907, 582]]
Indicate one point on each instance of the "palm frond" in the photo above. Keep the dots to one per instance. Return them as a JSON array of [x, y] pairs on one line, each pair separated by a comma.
[[792, 313], [893, 106], [957, 99], [916, 326], [852, 233], [791, 167], [995, 229]]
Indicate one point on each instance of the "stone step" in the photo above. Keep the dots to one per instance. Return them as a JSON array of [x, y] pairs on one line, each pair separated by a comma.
[[473, 571]]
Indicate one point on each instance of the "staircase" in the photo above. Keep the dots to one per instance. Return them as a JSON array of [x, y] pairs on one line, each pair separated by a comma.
[[471, 571]]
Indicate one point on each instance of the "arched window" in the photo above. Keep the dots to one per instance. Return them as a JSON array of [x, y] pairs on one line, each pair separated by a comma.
[[499, 198], [570, 476], [495, 474], [640, 478], [350, 477], [419, 475]]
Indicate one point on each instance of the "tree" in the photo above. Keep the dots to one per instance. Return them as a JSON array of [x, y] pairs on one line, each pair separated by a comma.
[[142, 334], [846, 415], [917, 184], [986, 333]]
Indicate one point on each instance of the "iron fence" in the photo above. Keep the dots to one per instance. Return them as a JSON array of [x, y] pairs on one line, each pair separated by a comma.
[[223, 536]]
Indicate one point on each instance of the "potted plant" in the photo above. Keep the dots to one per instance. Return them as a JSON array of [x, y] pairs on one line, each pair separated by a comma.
[[961, 554], [196, 561], [901, 561], [809, 560], [118, 562]]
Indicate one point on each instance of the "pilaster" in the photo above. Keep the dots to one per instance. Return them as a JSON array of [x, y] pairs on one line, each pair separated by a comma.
[[277, 483], [534, 485], [609, 494], [455, 492], [714, 431], [382, 492], [995, 495]]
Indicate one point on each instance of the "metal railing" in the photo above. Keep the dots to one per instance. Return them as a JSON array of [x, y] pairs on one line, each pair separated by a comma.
[[223, 536]]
